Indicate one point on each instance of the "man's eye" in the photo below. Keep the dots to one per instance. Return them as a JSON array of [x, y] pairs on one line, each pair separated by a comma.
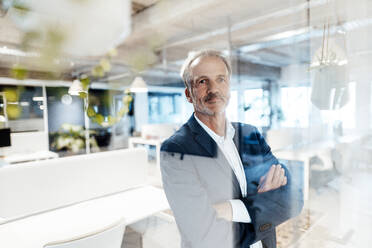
[[203, 81], [221, 79]]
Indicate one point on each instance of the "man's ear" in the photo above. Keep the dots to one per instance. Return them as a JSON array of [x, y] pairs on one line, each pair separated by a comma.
[[188, 95]]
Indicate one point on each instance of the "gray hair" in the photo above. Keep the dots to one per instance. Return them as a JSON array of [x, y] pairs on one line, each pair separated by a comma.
[[186, 73]]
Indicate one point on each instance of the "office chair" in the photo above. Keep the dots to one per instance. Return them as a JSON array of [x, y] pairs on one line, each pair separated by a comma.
[[108, 237]]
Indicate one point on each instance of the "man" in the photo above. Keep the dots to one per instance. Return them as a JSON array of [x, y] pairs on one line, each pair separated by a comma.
[[225, 187]]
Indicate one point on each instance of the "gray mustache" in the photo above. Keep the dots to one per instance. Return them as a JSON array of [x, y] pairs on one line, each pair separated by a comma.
[[212, 96]]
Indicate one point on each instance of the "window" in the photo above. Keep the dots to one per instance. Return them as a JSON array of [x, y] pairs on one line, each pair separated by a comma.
[[232, 108], [164, 107], [256, 107], [344, 115], [295, 104]]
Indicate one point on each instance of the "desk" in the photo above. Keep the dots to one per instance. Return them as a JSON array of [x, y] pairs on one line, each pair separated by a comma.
[[152, 142], [32, 156], [304, 154], [37, 230], [321, 149]]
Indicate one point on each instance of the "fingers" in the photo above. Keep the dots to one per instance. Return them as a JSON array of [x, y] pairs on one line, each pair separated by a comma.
[[260, 190], [265, 181], [270, 174], [261, 179], [281, 179], [277, 179], [282, 176], [284, 181], [261, 184]]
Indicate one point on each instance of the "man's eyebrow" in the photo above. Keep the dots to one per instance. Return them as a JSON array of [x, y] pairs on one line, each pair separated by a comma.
[[199, 77], [221, 75]]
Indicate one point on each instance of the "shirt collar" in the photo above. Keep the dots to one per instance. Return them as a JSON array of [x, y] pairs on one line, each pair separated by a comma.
[[230, 131]]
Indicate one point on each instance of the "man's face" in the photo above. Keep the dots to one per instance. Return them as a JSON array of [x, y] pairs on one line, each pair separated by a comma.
[[210, 87]]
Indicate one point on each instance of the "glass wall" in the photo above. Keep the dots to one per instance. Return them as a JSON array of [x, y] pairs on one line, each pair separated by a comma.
[[24, 107], [256, 107], [165, 107], [110, 124], [301, 73], [295, 106]]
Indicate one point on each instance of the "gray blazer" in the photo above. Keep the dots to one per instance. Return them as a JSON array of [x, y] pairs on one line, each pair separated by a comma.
[[196, 175]]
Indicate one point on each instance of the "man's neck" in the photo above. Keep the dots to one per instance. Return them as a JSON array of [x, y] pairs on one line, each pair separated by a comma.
[[217, 122]]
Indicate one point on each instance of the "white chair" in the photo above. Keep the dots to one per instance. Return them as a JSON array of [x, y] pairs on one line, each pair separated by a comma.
[[108, 237]]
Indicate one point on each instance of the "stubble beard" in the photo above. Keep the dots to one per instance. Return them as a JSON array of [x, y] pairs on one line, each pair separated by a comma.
[[204, 110], [200, 107]]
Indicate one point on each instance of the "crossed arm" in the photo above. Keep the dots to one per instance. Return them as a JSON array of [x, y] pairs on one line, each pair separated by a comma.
[[273, 179], [266, 209]]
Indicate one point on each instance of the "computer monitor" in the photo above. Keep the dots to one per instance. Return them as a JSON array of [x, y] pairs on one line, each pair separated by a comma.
[[5, 137]]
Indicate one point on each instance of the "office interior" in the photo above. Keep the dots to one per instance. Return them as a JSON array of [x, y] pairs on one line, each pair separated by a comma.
[[90, 89]]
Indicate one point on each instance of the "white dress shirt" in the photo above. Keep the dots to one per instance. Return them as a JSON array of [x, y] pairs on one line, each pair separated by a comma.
[[228, 148]]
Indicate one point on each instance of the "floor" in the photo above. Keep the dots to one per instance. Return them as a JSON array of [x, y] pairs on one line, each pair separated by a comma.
[[340, 216], [347, 213]]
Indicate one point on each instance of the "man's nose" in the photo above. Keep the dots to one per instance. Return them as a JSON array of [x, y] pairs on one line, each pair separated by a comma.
[[212, 85]]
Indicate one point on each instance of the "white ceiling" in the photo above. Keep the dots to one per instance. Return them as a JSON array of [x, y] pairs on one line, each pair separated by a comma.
[[171, 28]]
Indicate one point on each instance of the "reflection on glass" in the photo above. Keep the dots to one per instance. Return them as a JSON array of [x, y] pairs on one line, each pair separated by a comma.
[[165, 107], [295, 106], [232, 108], [24, 107], [256, 107]]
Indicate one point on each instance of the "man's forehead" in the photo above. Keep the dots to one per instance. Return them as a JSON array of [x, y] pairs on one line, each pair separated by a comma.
[[209, 65]]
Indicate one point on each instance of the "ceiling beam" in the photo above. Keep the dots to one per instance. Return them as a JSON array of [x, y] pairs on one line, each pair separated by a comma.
[[162, 15], [248, 23], [42, 75]]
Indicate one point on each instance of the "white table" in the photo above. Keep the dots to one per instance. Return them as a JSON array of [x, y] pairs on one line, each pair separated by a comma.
[[133, 141], [32, 156], [304, 154], [60, 224]]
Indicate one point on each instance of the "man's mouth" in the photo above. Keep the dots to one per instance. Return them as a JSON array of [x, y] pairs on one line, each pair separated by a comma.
[[211, 101], [213, 98]]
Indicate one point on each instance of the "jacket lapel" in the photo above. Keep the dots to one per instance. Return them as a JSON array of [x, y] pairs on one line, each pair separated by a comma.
[[202, 137], [208, 144]]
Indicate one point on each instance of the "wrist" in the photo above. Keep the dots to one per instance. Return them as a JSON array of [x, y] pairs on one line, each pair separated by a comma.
[[224, 210]]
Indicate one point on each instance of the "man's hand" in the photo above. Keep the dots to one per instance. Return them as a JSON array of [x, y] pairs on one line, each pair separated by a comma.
[[224, 210], [274, 178]]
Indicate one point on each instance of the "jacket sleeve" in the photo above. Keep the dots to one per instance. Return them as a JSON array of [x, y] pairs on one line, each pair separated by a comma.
[[271, 208], [195, 216]]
